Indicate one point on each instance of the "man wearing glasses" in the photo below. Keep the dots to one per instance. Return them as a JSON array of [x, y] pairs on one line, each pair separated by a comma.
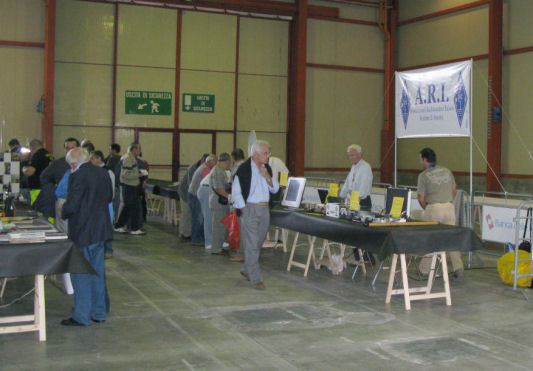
[[252, 185]]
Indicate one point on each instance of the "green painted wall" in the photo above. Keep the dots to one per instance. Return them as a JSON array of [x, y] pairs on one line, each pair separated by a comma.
[[343, 107], [22, 70]]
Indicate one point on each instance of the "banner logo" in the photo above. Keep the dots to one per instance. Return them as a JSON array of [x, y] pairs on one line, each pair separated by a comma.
[[490, 223], [460, 100], [405, 106]]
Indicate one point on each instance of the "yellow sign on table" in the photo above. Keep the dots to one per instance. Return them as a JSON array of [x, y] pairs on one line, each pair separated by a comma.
[[283, 176], [333, 190], [397, 205], [354, 200]]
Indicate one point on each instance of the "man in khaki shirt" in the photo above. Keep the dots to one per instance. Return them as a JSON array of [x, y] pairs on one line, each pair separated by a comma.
[[436, 192]]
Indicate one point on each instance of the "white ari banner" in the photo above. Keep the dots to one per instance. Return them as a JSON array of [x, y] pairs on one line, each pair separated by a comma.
[[434, 101]]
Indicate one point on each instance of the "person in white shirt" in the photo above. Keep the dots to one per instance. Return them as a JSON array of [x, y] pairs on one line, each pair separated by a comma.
[[359, 179], [252, 185]]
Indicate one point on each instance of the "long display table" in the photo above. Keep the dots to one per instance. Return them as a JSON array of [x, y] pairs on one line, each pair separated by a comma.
[[386, 241]]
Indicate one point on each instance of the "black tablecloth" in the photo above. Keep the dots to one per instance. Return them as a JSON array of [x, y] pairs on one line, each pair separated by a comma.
[[42, 258], [382, 241], [162, 188]]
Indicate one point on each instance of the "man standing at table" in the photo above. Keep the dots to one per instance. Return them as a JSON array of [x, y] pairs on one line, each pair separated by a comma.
[[47, 202], [89, 226], [359, 179], [252, 185], [39, 160], [436, 191]]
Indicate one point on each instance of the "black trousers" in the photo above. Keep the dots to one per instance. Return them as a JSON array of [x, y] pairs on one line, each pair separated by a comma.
[[365, 204], [131, 210]]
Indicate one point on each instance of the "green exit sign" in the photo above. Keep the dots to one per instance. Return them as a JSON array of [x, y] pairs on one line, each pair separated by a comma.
[[198, 103], [148, 102]]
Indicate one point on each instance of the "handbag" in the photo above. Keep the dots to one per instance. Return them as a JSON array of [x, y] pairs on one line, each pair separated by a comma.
[[525, 245], [221, 199]]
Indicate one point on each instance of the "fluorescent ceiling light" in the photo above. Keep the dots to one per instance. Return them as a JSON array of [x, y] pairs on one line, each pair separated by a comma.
[[211, 9], [236, 12], [180, 6], [148, 3]]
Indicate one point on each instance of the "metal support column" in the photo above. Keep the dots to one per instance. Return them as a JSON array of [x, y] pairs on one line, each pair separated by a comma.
[[494, 129]]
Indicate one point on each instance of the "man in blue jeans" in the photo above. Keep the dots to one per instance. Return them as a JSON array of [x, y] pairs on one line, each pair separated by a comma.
[[89, 225], [197, 219]]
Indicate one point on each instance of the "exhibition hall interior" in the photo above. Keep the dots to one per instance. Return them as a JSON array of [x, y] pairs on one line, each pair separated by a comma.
[[266, 184]]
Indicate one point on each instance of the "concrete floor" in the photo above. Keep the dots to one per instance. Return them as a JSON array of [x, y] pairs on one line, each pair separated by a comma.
[[176, 307]]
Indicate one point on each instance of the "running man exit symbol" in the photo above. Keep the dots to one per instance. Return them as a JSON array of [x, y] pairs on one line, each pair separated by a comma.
[[148, 102]]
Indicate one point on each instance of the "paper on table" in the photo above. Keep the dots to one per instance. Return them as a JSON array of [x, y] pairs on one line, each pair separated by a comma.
[[396, 209], [354, 200], [283, 176], [333, 189]]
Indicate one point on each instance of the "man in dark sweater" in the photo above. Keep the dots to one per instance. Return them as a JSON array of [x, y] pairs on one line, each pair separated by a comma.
[[39, 160]]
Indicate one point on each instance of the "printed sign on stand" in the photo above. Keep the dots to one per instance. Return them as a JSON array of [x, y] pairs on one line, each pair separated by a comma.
[[498, 224]]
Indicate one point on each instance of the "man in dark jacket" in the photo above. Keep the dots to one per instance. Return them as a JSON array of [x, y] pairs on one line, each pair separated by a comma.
[[39, 160], [46, 201], [89, 226], [112, 160]]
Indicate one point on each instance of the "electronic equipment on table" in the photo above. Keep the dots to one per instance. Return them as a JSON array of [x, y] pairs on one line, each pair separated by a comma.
[[396, 213], [294, 192]]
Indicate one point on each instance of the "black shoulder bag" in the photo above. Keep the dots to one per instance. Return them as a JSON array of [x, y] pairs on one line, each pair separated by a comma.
[[221, 199]]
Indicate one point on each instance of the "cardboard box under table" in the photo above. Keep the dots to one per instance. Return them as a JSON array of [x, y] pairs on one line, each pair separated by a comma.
[[384, 241]]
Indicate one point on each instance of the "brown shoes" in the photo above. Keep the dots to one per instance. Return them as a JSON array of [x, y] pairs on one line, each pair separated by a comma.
[[245, 276], [236, 258], [221, 252], [259, 286]]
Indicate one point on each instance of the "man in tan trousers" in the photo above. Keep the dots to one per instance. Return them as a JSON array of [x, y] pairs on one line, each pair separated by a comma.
[[436, 191]]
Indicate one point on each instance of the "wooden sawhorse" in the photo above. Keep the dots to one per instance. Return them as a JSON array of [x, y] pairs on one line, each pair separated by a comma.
[[320, 261], [419, 293], [37, 319]]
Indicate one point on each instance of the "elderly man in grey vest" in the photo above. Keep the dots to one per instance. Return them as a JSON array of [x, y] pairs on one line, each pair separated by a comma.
[[252, 185]]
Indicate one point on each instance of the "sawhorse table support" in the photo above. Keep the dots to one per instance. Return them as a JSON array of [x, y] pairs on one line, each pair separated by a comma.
[[310, 255], [419, 293], [38, 319]]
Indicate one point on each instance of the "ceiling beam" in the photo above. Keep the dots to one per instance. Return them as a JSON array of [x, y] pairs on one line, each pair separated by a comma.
[[252, 6]]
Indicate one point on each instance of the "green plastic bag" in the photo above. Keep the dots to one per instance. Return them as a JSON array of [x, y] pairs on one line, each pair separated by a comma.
[[506, 265]]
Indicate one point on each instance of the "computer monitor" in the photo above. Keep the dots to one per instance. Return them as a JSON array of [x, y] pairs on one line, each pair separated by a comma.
[[294, 192], [398, 192]]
